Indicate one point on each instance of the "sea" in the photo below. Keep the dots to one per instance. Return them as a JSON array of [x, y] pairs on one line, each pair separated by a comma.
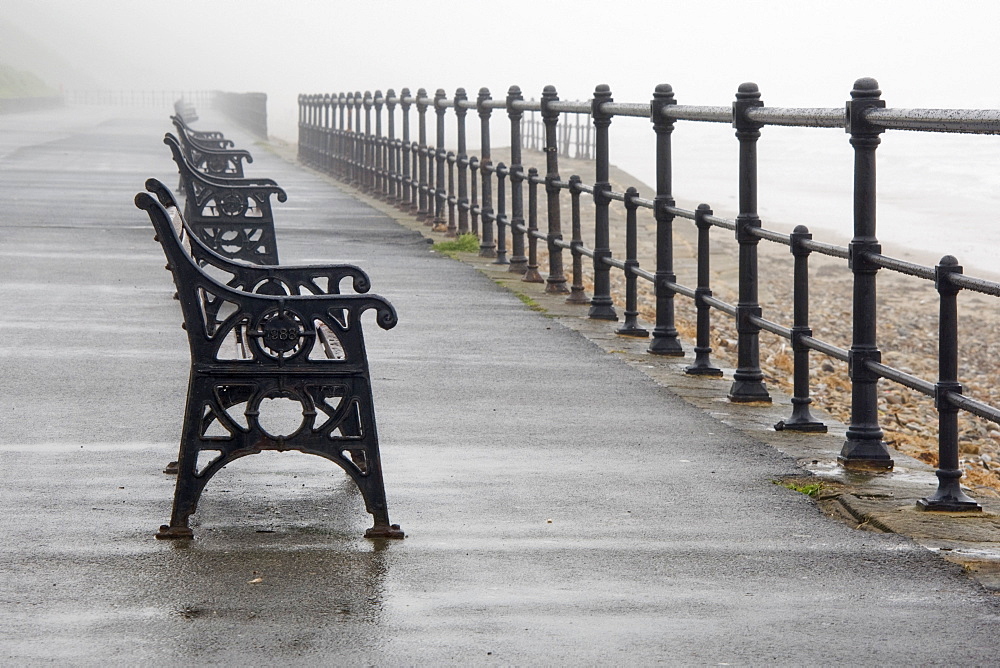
[[937, 194]]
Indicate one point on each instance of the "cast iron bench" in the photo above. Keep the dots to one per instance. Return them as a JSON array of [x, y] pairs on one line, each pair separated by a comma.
[[232, 216], [185, 110], [248, 349], [210, 138], [210, 156]]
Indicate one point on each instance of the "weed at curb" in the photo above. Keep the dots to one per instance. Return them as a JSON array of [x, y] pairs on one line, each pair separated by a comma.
[[466, 243], [529, 302], [811, 489]]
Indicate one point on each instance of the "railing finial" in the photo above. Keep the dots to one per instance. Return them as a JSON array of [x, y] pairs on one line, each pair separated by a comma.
[[748, 91], [866, 87]]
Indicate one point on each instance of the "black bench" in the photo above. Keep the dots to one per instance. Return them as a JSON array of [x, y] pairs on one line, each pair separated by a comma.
[[248, 349], [210, 138], [232, 216], [210, 156], [185, 110]]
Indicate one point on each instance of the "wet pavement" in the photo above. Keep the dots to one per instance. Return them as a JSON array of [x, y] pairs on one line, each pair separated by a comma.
[[563, 503]]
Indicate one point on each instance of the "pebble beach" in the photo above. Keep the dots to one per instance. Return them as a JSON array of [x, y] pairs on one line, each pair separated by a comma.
[[907, 324]]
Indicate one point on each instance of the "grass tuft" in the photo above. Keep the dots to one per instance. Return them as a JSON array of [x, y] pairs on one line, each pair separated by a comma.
[[465, 243], [812, 489]]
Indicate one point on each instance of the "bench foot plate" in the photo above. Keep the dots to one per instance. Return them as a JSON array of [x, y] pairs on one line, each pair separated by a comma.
[[174, 533], [391, 531]]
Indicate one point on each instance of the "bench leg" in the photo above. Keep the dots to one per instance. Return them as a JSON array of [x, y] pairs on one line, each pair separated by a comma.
[[188, 487], [186, 495]]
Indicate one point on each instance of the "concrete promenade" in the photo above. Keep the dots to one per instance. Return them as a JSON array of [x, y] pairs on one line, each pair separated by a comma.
[[565, 502]]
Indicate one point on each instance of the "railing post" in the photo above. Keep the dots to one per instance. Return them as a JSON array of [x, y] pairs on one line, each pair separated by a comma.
[[473, 195], [336, 104], [405, 199], [347, 156], [422, 155], [577, 294], [357, 173], [748, 379], [556, 281], [452, 199], [415, 184], [378, 144], [391, 168], [440, 195], [324, 133], [329, 129], [463, 162], [501, 218], [702, 365], [949, 496], [631, 327], [801, 419], [368, 180], [342, 138], [664, 341], [331, 135], [487, 246], [532, 275], [864, 448], [313, 129], [302, 125], [601, 305], [518, 261]]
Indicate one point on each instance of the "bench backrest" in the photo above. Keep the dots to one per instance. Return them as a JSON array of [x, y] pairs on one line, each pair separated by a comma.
[[316, 279], [209, 156]]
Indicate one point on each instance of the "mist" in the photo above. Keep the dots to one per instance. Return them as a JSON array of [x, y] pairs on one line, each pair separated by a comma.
[[799, 53]]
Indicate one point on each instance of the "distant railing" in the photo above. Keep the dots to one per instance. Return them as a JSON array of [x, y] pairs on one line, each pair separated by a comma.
[[574, 135], [344, 135], [137, 98], [248, 110]]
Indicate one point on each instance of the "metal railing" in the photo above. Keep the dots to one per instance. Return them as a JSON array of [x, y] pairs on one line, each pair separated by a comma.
[[344, 135], [136, 98]]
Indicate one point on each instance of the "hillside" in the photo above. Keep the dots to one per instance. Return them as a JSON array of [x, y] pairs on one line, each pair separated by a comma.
[[21, 54], [19, 83]]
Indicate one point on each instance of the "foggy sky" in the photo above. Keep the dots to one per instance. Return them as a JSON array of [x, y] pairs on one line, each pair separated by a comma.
[[925, 53]]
